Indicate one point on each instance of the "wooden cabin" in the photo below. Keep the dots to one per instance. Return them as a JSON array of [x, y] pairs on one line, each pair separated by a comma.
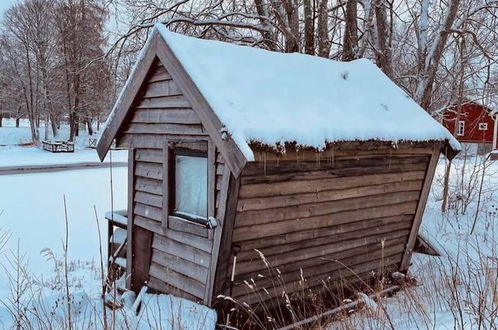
[[235, 152]]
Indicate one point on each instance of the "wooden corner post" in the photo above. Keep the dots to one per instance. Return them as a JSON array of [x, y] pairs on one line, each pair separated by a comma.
[[129, 225], [422, 202]]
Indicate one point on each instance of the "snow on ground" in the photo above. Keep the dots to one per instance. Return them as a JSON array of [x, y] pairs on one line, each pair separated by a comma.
[[32, 212], [35, 156], [12, 154], [458, 290]]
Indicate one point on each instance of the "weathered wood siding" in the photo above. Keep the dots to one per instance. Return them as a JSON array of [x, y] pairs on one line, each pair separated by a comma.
[[161, 111], [304, 213], [180, 261]]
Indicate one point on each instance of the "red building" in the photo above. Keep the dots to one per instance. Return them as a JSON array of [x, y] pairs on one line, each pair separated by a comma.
[[475, 124]]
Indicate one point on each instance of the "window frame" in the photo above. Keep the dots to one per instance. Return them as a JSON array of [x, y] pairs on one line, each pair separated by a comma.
[[483, 126], [462, 123], [170, 146], [174, 152]]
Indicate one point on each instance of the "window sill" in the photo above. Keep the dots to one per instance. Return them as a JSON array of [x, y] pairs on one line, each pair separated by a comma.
[[196, 220]]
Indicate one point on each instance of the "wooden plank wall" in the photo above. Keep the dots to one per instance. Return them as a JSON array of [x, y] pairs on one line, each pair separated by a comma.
[[181, 254], [162, 111], [302, 214]]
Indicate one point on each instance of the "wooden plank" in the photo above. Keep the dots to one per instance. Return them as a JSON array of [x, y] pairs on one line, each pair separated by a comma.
[[180, 265], [177, 280], [141, 255], [335, 257], [148, 199], [162, 88], [180, 224], [424, 194], [160, 128], [181, 237], [148, 211], [166, 115], [282, 227], [154, 141], [181, 250], [165, 184], [149, 224], [321, 267], [174, 223], [217, 237], [262, 203], [159, 74], [292, 171], [130, 216], [174, 102], [130, 94], [220, 169], [149, 155], [147, 185], [303, 211], [219, 158], [286, 238], [361, 271], [319, 251], [347, 148], [161, 287], [307, 186], [212, 183], [340, 236], [221, 277], [234, 157], [149, 170]]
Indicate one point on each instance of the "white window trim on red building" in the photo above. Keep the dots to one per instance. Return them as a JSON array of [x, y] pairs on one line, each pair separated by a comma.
[[460, 128]]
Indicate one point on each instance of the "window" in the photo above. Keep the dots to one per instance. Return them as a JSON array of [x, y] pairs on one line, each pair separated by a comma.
[[483, 126], [188, 184], [461, 128]]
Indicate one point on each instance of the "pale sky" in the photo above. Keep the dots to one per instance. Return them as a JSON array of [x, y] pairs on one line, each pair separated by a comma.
[[5, 4]]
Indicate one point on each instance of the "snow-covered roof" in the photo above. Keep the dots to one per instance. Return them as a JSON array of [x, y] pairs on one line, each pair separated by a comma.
[[270, 97], [274, 97]]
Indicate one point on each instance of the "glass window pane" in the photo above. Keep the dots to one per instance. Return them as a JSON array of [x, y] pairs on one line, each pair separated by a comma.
[[191, 185]]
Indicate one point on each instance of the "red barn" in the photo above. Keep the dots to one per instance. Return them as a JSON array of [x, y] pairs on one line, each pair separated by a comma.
[[475, 124]]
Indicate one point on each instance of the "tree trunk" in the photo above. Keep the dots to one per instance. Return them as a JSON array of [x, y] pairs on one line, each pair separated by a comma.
[[1, 120], [268, 37], [292, 42], [323, 29], [423, 94], [45, 136], [383, 51], [309, 29], [89, 126], [350, 44], [53, 124], [446, 184], [18, 119]]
